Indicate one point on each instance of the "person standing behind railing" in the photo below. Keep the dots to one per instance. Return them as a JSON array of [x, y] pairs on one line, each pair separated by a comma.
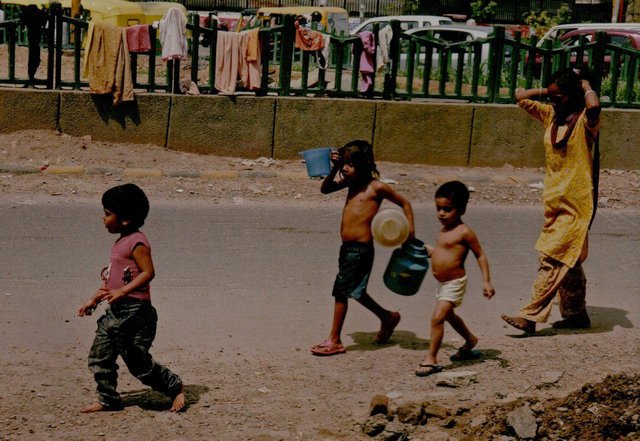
[[572, 123], [34, 20]]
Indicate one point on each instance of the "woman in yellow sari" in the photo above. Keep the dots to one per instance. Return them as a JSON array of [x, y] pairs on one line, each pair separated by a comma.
[[571, 122]]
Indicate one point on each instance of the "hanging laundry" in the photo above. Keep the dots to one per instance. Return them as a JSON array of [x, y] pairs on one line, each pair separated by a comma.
[[252, 68], [227, 62], [308, 39], [384, 47], [367, 67], [238, 58], [107, 63], [138, 39], [34, 20], [325, 53], [173, 35]]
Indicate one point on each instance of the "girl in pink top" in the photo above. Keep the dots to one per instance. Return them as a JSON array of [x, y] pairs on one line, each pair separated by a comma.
[[128, 326]]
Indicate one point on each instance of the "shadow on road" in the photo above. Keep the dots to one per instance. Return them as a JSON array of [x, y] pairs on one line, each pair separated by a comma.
[[365, 341], [149, 399], [602, 320]]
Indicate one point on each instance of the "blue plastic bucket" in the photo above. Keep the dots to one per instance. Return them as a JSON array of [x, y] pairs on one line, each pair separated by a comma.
[[318, 161]]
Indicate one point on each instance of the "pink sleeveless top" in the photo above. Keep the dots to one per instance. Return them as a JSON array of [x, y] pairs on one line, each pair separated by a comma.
[[123, 269]]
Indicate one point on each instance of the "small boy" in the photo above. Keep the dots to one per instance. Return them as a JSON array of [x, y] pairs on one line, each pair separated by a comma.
[[358, 174], [447, 264], [128, 325]]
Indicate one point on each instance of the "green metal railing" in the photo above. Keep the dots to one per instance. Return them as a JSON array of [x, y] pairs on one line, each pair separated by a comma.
[[487, 70]]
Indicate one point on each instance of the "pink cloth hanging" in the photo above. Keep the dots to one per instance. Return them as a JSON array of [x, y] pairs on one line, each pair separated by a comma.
[[138, 38]]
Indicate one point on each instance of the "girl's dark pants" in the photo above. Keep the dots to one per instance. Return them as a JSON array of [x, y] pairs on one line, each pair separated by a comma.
[[127, 329]]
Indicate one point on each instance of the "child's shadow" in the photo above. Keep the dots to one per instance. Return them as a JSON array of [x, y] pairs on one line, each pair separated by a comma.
[[480, 356], [365, 341], [149, 399]]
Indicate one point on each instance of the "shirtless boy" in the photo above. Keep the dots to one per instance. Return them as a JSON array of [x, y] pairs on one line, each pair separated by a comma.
[[357, 172], [447, 264]]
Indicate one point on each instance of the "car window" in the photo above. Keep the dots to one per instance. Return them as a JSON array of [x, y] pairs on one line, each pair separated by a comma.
[[406, 25], [575, 40], [620, 40], [369, 26], [452, 36]]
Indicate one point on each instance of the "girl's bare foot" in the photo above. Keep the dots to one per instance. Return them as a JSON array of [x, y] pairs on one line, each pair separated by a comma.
[[94, 407], [179, 401]]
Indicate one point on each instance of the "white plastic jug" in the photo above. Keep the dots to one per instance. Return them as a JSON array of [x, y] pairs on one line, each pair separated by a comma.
[[390, 227]]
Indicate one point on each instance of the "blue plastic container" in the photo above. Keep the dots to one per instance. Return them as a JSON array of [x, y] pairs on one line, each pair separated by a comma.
[[407, 268], [318, 161]]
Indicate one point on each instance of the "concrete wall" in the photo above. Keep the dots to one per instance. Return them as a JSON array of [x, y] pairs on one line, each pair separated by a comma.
[[28, 110], [476, 135]]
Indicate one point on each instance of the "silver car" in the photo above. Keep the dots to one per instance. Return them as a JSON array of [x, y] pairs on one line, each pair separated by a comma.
[[449, 34]]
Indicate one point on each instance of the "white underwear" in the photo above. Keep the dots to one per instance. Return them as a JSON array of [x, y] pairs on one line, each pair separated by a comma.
[[452, 291]]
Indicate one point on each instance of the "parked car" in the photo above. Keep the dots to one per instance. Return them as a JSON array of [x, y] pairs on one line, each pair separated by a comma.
[[556, 32], [449, 34], [406, 22], [333, 19], [117, 12], [620, 37]]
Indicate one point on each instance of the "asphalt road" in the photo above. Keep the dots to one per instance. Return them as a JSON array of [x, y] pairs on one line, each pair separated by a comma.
[[263, 274]]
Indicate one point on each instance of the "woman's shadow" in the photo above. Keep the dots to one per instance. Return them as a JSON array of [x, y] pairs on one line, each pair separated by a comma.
[[602, 320], [149, 399]]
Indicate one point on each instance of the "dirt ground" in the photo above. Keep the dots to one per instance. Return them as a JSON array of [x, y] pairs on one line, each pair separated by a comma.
[[260, 179], [559, 403]]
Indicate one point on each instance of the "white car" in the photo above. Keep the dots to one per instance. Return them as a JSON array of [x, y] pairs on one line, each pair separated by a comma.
[[406, 22], [449, 34], [558, 31]]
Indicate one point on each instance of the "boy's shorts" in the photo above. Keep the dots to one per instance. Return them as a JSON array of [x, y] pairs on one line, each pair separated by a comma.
[[452, 291], [355, 263]]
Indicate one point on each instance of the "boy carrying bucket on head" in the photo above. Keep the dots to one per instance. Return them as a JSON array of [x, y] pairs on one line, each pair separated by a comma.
[[357, 169]]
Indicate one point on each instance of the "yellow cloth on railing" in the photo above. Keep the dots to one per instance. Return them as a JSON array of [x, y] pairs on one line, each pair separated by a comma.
[[107, 64]]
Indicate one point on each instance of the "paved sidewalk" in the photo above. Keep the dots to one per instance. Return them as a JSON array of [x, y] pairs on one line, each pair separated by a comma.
[[79, 170]]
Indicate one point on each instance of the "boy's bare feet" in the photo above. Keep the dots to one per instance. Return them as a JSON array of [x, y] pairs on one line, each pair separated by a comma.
[[465, 351], [387, 328], [94, 407], [179, 401], [520, 323]]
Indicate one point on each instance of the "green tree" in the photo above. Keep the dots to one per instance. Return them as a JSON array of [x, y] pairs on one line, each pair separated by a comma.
[[542, 21], [483, 10]]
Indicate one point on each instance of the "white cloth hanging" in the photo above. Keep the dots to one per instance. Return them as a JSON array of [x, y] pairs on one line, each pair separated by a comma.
[[173, 35]]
